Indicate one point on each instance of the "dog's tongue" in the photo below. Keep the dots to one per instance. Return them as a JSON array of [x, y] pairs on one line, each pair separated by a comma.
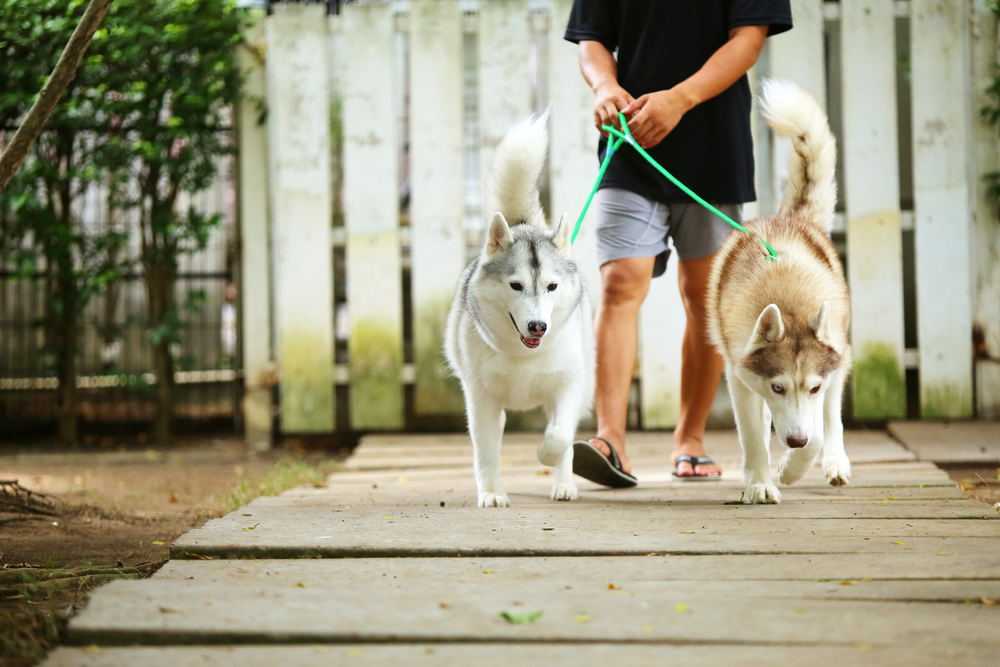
[[533, 342]]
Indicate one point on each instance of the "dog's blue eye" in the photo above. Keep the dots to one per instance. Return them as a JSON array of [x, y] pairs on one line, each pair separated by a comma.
[[778, 389], [552, 287], [516, 286]]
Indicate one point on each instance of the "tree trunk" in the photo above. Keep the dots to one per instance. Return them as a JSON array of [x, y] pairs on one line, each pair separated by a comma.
[[160, 294], [61, 76]]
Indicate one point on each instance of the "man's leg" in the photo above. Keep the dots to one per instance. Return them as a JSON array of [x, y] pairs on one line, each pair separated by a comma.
[[701, 366], [624, 284]]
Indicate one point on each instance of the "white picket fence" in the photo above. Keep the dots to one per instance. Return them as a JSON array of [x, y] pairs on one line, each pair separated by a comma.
[[428, 87]]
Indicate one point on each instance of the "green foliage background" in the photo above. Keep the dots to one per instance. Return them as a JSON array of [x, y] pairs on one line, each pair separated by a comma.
[[144, 116]]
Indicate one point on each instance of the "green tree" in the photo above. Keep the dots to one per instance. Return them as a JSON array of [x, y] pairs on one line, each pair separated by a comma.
[[169, 77], [145, 114], [40, 235]]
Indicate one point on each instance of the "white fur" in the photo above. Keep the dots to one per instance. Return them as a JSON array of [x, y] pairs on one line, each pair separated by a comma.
[[811, 193], [517, 164], [484, 335], [774, 359]]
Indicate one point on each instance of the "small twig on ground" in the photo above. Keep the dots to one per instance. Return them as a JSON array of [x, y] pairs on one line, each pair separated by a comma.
[[18, 499]]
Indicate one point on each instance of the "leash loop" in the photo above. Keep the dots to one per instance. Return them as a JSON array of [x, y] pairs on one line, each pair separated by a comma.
[[615, 139]]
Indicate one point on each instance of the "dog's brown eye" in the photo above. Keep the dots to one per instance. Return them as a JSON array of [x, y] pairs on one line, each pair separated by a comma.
[[778, 389], [516, 286], [552, 287], [814, 390]]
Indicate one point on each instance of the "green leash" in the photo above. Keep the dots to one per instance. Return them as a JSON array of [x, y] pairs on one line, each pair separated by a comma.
[[615, 140]]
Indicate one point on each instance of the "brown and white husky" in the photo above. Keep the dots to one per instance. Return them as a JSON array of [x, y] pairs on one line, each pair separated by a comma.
[[782, 326]]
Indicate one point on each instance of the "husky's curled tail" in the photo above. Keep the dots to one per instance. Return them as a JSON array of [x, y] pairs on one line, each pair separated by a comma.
[[517, 164], [811, 193]]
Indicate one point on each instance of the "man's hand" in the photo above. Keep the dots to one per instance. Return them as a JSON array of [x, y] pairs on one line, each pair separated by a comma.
[[655, 115], [601, 71], [610, 99]]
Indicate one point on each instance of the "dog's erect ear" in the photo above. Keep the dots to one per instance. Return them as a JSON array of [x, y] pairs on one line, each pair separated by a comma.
[[499, 236], [563, 234], [769, 328], [820, 323]]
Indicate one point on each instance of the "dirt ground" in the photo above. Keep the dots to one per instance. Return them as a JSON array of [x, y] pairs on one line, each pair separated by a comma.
[[109, 513], [981, 483]]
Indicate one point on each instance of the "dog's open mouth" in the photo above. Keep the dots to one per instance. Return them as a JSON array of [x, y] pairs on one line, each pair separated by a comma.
[[531, 342]]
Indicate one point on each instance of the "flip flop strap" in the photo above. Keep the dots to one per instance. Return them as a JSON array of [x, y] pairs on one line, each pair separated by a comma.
[[685, 458], [615, 461]]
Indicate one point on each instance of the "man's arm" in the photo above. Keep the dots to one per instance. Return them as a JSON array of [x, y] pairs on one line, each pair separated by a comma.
[[601, 71], [656, 114]]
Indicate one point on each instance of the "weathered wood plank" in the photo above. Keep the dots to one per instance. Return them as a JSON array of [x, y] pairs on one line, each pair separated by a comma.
[[798, 55], [371, 213], [573, 143], [504, 84], [255, 259], [941, 183], [637, 654], [299, 119], [860, 569], [874, 241], [985, 233], [950, 442], [436, 203], [125, 612], [593, 526]]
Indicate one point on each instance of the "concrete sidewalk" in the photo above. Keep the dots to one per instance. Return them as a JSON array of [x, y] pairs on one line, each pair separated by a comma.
[[393, 564]]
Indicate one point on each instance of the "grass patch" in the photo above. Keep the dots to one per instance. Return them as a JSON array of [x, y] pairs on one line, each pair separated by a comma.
[[29, 632], [287, 473], [34, 601]]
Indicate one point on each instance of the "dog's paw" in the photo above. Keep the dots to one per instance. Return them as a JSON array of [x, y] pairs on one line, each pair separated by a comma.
[[837, 470], [761, 494], [494, 500], [564, 491], [790, 469]]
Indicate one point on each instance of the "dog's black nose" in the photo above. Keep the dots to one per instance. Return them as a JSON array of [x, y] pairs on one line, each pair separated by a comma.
[[537, 328], [797, 441]]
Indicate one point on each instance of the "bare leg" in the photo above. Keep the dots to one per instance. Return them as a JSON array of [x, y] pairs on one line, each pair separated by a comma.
[[624, 284], [701, 367]]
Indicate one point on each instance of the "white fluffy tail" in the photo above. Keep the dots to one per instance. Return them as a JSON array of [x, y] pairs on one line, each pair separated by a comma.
[[811, 193], [517, 164]]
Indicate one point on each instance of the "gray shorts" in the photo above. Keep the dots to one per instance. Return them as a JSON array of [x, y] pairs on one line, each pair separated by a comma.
[[630, 225]]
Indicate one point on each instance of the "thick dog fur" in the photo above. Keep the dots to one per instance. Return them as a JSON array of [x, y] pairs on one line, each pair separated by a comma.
[[782, 326], [519, 330]]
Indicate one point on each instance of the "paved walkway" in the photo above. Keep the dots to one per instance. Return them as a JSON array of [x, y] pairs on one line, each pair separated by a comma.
[[393, 564]]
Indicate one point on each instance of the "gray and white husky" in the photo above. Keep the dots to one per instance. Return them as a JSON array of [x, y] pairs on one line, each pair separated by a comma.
[[519, 330], [782, 327]]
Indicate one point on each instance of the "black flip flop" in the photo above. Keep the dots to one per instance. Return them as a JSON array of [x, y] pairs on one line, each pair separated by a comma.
[[592, 465], [695, 461]]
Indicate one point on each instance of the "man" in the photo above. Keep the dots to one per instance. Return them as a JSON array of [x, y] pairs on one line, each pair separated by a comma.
[[680, 77]]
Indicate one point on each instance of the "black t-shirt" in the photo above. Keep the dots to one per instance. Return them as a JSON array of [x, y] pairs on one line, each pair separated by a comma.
[[661, 43]]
